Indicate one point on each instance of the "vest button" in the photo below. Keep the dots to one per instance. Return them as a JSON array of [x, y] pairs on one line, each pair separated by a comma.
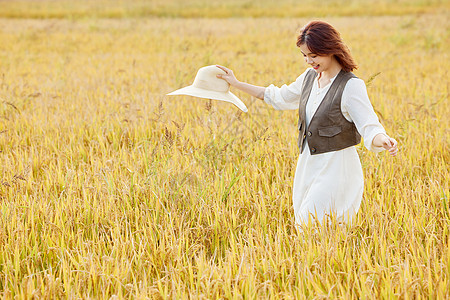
[[313, 150], [309, 133]]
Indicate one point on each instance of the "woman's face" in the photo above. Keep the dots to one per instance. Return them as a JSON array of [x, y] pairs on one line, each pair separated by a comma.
[[319, 63]]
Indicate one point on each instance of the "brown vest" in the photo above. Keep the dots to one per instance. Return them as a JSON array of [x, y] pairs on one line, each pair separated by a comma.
[[328, 130]]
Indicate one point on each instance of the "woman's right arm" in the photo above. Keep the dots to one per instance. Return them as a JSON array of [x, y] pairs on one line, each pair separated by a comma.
[[286, 97]]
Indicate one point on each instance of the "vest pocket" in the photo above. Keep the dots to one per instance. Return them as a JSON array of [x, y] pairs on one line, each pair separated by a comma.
[[330, 131]]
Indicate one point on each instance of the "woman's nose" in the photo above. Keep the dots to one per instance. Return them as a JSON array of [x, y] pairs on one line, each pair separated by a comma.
[[309, 60]]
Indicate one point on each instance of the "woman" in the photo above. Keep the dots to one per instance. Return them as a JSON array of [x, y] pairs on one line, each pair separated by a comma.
[[334, 112]]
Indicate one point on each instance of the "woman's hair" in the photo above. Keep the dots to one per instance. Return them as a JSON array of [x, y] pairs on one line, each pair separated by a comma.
[[323, 39]]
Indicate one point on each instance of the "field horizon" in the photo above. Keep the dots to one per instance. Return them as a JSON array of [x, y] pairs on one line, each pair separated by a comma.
[[118, 9]]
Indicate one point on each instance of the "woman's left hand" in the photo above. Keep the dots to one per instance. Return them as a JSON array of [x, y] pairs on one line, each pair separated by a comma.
[[388, 143]]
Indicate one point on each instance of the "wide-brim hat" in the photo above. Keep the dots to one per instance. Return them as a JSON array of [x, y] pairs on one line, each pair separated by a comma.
[[207, 85]]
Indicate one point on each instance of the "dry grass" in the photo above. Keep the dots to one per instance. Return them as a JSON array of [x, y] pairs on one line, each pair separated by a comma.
[[82, 9], [107, 187]]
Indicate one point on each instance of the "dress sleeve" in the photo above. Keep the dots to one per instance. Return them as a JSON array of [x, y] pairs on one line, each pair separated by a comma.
[[356, 108], [286, 97]]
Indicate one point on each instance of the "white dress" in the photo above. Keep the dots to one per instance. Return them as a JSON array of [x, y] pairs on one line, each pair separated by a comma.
[[332, 182]]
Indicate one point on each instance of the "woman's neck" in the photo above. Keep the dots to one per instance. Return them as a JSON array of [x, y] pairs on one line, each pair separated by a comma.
[[326, 75]]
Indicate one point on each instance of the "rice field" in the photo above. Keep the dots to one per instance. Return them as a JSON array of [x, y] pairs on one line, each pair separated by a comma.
[[109, 189]]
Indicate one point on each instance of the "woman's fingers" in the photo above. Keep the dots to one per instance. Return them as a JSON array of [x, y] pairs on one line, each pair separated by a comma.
[[225, 69], [390, 145], [393, 149], [386, 142], [228, 76]]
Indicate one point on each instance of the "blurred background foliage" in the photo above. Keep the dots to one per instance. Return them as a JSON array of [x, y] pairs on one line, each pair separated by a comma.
[[215, 8]]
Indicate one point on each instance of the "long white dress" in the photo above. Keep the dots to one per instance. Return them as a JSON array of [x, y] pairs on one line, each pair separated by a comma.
[[332, 182]]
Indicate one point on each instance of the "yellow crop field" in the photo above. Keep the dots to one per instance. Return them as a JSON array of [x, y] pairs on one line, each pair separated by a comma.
[[109, 189]]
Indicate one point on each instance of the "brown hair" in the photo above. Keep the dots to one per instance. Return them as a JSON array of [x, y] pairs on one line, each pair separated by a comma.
[[323, 39]]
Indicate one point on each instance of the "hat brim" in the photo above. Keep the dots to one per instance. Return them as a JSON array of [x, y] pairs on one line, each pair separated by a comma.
[[207, 94]]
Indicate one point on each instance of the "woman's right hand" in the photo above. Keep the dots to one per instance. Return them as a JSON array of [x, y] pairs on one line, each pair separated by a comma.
[[228, 76], [253, 90]]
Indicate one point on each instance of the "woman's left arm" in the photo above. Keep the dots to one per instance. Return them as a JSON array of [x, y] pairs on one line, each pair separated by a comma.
[[356, 107]]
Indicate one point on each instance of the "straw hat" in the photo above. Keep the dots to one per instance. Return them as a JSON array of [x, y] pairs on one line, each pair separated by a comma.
[[207, 85]]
